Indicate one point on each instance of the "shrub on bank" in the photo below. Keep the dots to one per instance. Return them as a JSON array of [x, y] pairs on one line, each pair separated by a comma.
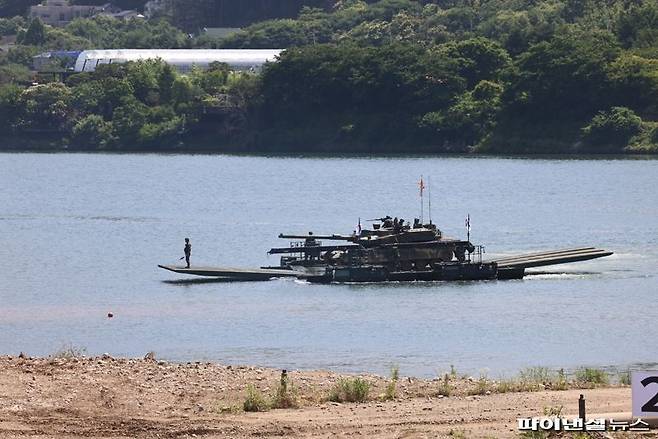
[[92, 132], [612, 130], [445, 389], [391, 388], [350, 390], [592, 376], [285, 395], [255, 401]]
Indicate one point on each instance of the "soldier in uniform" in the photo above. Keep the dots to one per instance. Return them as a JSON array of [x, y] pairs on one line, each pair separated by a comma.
[[188, 251], [310, 241]]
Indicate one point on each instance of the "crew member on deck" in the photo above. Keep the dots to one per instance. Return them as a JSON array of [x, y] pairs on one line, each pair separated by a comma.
[[188, 251]]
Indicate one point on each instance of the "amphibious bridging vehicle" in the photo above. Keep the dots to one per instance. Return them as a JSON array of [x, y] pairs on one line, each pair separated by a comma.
[[393, 250]]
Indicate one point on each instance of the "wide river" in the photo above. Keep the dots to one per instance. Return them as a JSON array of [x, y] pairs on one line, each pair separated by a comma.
[[82, 235]]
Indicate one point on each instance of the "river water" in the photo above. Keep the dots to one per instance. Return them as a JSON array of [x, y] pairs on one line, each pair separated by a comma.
[[83, 234]]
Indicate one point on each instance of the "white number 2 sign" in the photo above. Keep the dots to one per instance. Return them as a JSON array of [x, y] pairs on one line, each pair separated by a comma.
[[644, 386]]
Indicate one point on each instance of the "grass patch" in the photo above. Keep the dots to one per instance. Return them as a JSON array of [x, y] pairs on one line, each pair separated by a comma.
[[255, 401], [229, 409], [507, 386], [69, 351], [560, 382], [457, 434], [592, 376], [536, 375], [285, 395], [391, 391], [625, 378], [534, 435], [350, 390], [554, 412], [537, 378], [482, 386], [445, 389], [534, 379]]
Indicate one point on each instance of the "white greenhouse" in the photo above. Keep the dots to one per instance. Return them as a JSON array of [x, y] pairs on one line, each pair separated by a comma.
[[182, 59]]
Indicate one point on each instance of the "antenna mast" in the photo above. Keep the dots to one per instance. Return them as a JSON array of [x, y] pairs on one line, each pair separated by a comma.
[[421, 185], [429, 197]]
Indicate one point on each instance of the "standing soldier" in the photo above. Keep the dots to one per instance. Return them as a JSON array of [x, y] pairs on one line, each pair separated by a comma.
[[188, 251]]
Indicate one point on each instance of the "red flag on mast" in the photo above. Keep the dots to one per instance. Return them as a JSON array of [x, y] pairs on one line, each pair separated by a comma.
[[421, 185]]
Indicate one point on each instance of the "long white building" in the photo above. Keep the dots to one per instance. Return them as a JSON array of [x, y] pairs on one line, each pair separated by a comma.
[[182, 59]]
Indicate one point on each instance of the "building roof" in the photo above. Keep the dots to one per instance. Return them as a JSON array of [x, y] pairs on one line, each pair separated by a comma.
[[55, 61], [183, 59]]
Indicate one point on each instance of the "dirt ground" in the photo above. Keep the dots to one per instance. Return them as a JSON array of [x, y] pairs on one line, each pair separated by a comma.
[[105, 397]]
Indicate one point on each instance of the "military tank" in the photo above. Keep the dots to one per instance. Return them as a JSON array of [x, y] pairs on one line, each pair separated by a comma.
[[392, 250]]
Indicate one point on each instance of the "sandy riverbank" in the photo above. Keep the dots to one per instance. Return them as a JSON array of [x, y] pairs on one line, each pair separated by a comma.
[[107, 397]]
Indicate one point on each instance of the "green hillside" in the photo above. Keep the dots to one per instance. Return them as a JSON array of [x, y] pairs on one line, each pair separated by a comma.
[[501, 76]]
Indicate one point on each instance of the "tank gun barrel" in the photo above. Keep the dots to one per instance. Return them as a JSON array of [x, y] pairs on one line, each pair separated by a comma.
[[323, 237], [311, 249], [447, 243]]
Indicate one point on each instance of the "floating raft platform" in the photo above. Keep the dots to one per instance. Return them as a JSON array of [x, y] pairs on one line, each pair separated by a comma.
[[556, 257], [236, 274], [511, 267]]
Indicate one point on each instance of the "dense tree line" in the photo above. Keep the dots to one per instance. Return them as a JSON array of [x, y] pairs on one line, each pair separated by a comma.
[[142, 105], [101, 32], [193, 15], [387, 76], [497, 75]]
